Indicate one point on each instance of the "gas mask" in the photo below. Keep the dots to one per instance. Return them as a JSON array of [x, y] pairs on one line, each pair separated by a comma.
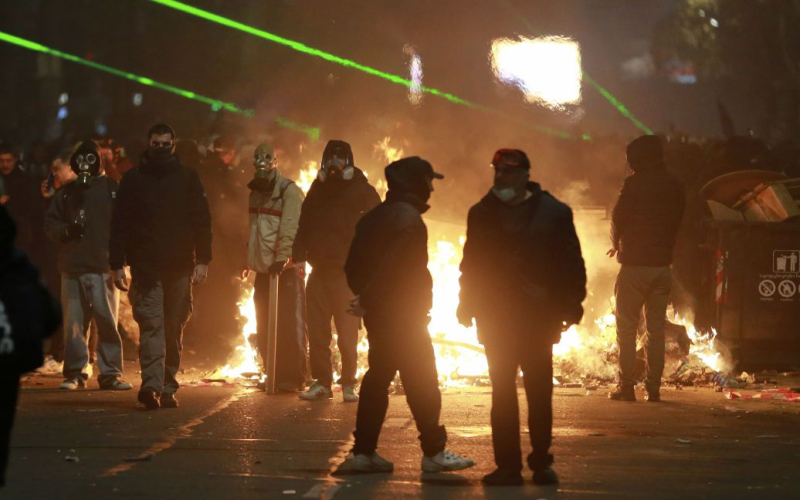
[[86, 162], [264, 162], [337, 166]]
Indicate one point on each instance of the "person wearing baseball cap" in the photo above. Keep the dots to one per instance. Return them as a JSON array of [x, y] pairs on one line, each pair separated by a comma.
[[387, 271], [523, 280]]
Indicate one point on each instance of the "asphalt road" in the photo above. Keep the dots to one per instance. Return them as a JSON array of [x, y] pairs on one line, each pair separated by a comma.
[[238, 443]]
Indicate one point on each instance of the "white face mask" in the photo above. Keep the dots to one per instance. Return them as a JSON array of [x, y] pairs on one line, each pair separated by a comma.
[[506, 194]]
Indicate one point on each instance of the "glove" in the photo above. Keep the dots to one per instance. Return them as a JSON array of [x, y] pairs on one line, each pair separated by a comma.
[[277, 267], [74, 231]]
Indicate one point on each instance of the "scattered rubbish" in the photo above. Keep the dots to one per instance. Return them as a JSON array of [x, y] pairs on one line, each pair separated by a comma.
[[779, 394], [143, 458], [572, 385], [289, 492], [684, 441], [69, 458], [596, 434]]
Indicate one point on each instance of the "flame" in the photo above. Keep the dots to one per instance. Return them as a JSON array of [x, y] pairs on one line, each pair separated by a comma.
[[386, 151], [244, 363], [307, 176]]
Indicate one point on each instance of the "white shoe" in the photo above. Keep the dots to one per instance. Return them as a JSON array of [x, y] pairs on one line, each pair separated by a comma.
[[446, 461], [51, 367], [364, 464], [317, 391], [116, 385], [73, 383], [349, 394]]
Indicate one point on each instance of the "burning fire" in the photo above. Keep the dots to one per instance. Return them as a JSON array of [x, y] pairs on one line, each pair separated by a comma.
[[585, 351]]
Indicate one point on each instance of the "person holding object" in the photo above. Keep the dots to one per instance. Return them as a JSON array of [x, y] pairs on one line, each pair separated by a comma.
[[161, 228], [523, 279], [275, 203], [644, 225], [79, 221], [338, 198], [387, 271]]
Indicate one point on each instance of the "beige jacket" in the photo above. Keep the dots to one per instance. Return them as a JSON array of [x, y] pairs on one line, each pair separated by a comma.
[[274, 218]]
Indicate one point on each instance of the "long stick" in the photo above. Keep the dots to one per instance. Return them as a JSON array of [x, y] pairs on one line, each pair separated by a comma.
[[272, 333]]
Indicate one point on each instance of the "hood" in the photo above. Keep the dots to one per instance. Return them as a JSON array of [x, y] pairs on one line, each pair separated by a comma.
[[337, 144]]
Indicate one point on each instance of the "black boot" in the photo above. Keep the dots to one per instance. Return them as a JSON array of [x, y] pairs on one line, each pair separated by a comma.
[[545, 476], [149, 398], [622, 393], [168, 400], [503, 477]]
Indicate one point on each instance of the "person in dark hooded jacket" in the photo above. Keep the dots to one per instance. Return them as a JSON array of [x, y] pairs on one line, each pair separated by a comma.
[[644, 225], [338, 198], [161, 227], [28, 315], [523, 280], [387, 270]]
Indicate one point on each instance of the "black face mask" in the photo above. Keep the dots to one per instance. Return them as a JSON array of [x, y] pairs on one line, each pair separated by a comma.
[[160, 155]]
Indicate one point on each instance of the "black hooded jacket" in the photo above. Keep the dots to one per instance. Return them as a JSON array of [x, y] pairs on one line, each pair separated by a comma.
[[328, 220], [387, 266], [522, 265], [161, 222], [646, 218]]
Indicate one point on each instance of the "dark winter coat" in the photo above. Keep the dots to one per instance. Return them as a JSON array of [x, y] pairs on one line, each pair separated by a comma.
[[522, 265], [88, 254], [161, 222], [387, 266], [328, 220], [646, 218]]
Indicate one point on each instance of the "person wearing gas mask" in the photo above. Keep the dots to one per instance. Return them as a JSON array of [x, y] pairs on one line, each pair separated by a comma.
[[275, 203], [336, 201], [161, 228], [79, 221], [387, 271], [523, 280]]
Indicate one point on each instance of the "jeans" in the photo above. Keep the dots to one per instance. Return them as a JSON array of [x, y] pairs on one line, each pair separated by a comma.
[[640, 287], [161, 307], [328, 296], [85, 297], [404, 346], [505, 356]]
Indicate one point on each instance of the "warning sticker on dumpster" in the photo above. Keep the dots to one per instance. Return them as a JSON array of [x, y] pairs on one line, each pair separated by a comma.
[[782, 285], [786, 261]]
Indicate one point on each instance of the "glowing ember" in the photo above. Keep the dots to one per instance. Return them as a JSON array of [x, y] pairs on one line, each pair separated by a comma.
[[546, 69]]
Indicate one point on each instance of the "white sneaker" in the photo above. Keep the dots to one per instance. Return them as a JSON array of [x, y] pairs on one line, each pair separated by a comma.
[[73, 383], [50, 367], [446, 461], [349, 394], [316, 392], [364, 464]]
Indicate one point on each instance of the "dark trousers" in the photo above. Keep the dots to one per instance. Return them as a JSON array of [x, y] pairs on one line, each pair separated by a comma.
[[536, 360], [403, 346], [9, 389], [328, 296], [161, 307], [638, 288], [291, 361]]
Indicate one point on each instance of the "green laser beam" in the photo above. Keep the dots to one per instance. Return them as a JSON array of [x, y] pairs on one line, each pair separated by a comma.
[[591, 81], [216, 104], [300, 47]]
